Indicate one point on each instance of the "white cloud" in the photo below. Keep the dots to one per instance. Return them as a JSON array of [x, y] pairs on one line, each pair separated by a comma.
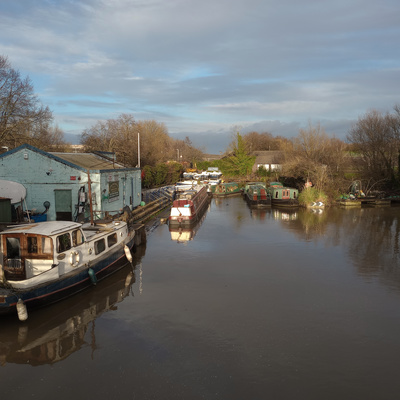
[[206, 66]]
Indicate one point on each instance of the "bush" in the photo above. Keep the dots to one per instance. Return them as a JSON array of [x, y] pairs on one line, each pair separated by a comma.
[[148, 178], [311, 195], [262, 172]]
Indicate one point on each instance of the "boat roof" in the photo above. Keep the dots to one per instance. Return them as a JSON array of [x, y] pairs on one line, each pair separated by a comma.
[[47, 228]]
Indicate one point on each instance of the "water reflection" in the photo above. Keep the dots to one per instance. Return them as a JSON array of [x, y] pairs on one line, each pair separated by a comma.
[[260, 213], [285, 214], [369, 236], [185, 234], [373, 237], [52, 334]]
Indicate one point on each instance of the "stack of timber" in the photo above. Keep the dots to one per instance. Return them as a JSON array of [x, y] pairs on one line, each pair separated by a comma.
[[143, 213]]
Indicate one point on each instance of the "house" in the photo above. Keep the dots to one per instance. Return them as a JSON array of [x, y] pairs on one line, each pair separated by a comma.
[[271, 160], [59, 184]]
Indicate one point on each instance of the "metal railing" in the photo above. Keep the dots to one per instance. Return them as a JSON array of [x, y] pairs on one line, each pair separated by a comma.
[[155, 194]]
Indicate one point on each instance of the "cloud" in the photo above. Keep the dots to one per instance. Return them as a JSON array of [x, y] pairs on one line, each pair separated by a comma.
[[204, 67]]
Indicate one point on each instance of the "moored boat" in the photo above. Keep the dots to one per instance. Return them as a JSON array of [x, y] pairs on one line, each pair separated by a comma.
[[257, 195], [189, 206], [283, 196], [225, 189], [45, 262]]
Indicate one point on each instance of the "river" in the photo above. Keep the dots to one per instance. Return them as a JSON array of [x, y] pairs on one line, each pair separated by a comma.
[[252, 304]]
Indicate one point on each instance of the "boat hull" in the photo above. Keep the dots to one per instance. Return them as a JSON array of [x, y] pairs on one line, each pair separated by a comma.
[[257, 202], [285, 202]]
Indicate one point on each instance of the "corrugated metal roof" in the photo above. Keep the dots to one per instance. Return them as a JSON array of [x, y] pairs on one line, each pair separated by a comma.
[[88, 161]]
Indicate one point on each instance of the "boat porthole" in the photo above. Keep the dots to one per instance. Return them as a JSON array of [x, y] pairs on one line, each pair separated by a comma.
[[90, 251]]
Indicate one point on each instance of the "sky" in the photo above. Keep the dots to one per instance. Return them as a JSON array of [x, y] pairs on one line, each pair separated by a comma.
[[207, 69]]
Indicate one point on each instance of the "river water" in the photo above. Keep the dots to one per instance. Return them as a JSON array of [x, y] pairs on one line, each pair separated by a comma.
[[270, 304]]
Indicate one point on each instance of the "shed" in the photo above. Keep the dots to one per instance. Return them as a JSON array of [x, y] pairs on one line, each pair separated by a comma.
[[59, 184]]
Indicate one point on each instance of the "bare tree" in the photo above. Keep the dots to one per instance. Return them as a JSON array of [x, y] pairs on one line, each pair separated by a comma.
[[315, 156], [124, 136], [155, 144], [375, 139], [186, 152], [260, 141], [21, 113]]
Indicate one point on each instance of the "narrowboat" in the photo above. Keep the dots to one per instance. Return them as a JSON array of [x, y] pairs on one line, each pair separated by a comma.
[[189, 206], [283, 196], [257, 195], [44, 262], [225, 189]]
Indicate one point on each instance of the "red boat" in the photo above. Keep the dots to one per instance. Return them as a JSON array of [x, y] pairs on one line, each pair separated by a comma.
[[189, 206]]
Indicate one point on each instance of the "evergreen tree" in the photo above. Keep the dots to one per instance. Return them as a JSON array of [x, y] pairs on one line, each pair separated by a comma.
[[239, 162]]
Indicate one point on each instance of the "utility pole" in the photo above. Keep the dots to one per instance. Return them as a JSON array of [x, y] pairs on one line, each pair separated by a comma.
[[138, 148]]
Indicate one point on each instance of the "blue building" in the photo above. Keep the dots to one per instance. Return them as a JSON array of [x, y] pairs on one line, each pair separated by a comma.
[[59, 184]]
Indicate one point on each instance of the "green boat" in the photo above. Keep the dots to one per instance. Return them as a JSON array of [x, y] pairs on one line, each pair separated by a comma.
[[225, 189], [283, 196], [257, 195]]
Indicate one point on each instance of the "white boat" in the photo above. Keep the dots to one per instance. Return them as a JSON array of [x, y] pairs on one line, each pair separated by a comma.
[[13, 191], [181, 186], [44, 262]]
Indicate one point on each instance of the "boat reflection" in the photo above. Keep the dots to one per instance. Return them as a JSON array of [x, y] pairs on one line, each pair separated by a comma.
[[53, 333], [285, 214], [184, 235], [259, 213]]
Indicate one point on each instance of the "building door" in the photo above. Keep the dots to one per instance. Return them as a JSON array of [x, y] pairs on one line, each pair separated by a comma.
[[63, 205]]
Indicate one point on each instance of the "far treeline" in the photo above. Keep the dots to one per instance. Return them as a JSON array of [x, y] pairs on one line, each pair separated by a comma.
[[370, 154]]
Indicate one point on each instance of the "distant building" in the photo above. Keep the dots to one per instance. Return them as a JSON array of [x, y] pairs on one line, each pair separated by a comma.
[[61, 180], [271, 160], [212, 157]]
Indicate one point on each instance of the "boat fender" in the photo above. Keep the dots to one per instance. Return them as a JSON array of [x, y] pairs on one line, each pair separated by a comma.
[[74, 258], [128, 254], [21, 310], [128, 279], [92, 276]]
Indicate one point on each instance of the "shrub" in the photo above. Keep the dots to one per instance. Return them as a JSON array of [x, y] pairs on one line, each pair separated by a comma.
[[311, 195]]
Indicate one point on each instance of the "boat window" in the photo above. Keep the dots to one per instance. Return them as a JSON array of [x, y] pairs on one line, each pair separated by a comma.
[[112, 239], [294, 195], [99, 246], [77, 237], [47, 245], [276, 195], [32, 243], [13, 248], [63, 242]]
